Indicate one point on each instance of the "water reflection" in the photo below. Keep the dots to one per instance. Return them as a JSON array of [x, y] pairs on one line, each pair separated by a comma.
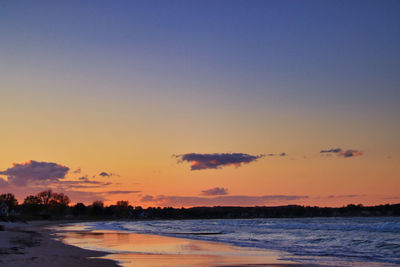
[[152, 250]]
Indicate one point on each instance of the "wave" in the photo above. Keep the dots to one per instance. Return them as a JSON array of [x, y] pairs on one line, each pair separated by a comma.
[[352, 239]]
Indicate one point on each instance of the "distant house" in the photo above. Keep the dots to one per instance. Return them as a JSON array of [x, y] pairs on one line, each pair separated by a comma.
[[143, 215], [3, 209]]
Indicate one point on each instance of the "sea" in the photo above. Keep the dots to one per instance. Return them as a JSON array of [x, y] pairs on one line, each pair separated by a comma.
[[346, 241]]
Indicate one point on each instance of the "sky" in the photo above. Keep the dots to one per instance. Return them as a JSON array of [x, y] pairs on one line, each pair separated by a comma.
[[201, 103]]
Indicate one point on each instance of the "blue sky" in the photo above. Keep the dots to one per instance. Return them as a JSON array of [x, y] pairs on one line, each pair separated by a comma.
[[122, 79]]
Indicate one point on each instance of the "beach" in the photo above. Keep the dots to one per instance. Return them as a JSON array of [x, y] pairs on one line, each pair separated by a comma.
[[178, 243], [49, 243], [32, 244]]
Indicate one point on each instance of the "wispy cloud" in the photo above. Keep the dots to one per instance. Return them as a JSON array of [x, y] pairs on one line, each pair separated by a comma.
[[122, 192], [147, 198], [191, 201], [351, 153], [107, 174], [343, 153], [216, 160], [3, 183], [216, 191], [283, 154], [393, 197], [344, 196], [82, 182], [78, 170], [332, 150]]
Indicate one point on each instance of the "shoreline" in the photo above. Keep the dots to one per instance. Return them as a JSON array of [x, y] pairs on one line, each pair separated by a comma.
[[32, 244], [44, 243], [132, 249]]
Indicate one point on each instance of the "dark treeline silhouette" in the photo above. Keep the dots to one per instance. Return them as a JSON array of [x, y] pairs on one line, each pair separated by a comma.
[[50, 205]]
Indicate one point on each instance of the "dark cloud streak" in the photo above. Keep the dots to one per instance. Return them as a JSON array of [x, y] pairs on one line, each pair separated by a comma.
[[107, 174], [343, 153], [121, 192], [351, 153], [217, 160], [283, 154], [333, 150], [217, 191]]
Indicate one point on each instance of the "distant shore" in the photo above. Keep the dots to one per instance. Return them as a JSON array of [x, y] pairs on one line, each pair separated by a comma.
[[34, 244]]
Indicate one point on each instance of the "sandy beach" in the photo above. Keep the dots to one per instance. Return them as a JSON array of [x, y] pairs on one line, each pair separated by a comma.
[[32, 244], [49, 244]]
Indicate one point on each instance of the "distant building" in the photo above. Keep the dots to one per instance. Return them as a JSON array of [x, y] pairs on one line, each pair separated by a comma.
[[3, 209]]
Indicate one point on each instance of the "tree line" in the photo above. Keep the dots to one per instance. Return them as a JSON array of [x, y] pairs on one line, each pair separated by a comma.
[[50, 205]]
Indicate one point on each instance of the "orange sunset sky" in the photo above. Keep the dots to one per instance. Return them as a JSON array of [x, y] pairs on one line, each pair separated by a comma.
[[184, 103]]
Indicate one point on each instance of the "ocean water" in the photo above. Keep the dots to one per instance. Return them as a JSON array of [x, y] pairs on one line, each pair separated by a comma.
[[323, 241]]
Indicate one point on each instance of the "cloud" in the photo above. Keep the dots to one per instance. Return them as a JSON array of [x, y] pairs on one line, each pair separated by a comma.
[[34, 171], [217, 191], [217, 160], [283, 154], [82, 182], [86, 180], [43, 175], [78, 170], [332, 150], [107, 174], [392, 197], [344, 153], [121, 192], [33, 176], [147, 198], [3, 183], [351, 153], [344, 196], [191, 201]]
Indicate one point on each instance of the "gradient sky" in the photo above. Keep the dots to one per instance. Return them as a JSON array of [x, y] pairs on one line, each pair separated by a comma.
[[124, 87]]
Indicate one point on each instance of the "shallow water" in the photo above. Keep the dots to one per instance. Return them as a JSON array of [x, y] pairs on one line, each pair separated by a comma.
[[327, 241], [130, 249]]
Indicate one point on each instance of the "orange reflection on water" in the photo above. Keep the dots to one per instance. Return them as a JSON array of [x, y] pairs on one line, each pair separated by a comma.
[[151, 250]]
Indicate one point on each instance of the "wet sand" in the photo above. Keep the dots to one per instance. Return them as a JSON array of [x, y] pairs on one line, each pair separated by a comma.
[[50, 244], [32, 244]]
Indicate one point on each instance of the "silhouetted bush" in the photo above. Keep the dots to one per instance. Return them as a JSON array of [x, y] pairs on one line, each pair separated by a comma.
[[79, 210], [32, 206], [96, 209]]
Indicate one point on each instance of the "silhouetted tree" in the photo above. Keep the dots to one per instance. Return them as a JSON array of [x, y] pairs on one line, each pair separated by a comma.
[[10, 200], [54, 203], [123, 209], [32, 200], [79, 209], [32, 205], [97, 208], [122, 204], [60, 199], [45, 196], [98, 203], [47, 205]]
